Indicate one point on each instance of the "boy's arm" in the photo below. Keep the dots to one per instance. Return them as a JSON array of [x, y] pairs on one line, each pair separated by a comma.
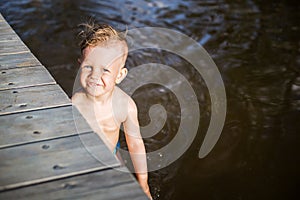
[[136, 146]]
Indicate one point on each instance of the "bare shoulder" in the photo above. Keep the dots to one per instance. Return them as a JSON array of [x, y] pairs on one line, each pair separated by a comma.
[[78, 98], [124, 103], [123, 98]]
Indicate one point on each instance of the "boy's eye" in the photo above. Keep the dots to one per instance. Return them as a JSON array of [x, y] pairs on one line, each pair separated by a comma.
[[89, 67], [106, 70]]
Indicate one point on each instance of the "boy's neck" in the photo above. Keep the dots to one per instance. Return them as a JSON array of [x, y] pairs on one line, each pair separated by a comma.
[[101, 100]]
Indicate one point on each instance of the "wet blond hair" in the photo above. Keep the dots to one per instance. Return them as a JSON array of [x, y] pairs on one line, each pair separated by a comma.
[[93, 34]]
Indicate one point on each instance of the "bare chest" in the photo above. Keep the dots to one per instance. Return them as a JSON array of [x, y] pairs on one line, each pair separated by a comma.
[[108, 123]]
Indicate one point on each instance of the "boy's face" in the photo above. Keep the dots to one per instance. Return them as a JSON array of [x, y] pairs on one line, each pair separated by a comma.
[[101, 68]]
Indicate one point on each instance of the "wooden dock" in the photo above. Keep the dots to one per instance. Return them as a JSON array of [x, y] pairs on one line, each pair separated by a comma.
[[45, 144]]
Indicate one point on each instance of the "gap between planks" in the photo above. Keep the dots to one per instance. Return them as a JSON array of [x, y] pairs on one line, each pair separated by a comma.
[[57, 177]]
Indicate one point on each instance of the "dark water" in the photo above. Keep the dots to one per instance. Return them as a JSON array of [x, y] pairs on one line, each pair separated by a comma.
[[256, 47]]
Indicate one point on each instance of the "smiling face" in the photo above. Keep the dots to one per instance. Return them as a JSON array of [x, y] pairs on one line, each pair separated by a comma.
[[101, 69]]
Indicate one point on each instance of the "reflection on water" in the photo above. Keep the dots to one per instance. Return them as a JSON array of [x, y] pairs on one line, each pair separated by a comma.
[[256, 47]]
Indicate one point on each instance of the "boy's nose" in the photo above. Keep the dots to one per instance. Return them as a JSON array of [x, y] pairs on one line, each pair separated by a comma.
[[96, 73]]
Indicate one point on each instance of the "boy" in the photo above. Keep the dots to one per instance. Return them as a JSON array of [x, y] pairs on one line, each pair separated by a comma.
[[104, 105]]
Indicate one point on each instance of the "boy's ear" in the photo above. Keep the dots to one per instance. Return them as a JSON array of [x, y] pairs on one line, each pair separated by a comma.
[[79, 61], [122, 74]]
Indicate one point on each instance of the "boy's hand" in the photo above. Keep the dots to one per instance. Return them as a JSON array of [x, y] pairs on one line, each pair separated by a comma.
[[143, 181], [147, 191]]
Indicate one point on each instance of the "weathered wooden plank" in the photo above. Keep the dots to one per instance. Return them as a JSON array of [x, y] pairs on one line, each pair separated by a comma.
[[13, 47], [103, 185], [53, 159], [8, 38], [22, 128], [7, 33], [10, 43], [5, 29], [18, 60], [25, 77], [2, 19], [3, 24], [32, 98]]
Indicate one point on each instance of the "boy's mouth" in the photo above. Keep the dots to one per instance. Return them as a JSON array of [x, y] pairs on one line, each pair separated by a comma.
[[94, 84]]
